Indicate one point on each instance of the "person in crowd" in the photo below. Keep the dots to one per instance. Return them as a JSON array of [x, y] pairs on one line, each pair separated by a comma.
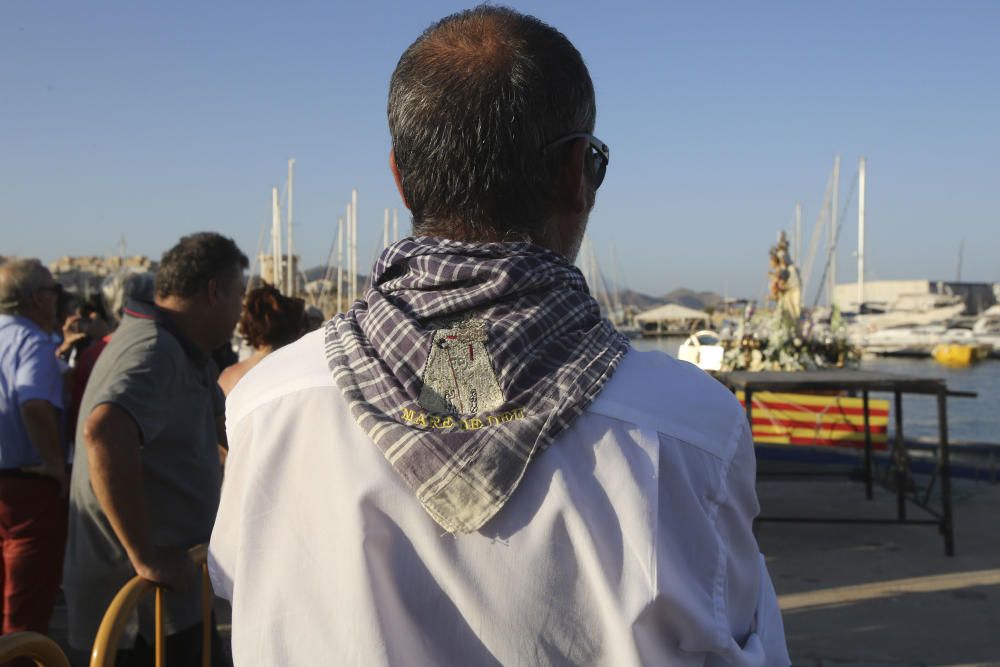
[[146, 480], [314, 318], [270, 321], [471, 466], [82, 321], [32, 459], [116, 291]]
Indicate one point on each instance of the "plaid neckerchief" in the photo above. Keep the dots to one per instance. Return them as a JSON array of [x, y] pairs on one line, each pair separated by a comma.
[[463, 361]]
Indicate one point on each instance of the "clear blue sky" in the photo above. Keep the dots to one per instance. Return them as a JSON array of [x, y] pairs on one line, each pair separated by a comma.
[[154, 120]]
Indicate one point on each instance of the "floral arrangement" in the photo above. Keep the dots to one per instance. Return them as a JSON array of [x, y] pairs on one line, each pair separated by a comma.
[[776, 341]]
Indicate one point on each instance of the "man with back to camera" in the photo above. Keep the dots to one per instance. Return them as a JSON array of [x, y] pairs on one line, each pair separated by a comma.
[[471, 466], [32, 458], [146, 481]]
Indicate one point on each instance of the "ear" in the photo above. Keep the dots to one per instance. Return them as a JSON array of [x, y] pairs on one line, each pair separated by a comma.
[[38, 301], [571, 184], [213, 291], [396, 177]]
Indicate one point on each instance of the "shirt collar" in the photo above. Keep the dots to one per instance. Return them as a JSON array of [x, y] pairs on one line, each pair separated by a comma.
[[144, 310]]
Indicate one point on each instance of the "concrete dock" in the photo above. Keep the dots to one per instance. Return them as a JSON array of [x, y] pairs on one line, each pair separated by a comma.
[[877, 595]]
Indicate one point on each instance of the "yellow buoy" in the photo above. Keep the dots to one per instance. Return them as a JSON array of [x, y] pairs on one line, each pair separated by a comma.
[[958, 354]]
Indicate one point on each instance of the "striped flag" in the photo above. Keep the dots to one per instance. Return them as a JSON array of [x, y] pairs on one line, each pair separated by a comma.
[[808, 419]]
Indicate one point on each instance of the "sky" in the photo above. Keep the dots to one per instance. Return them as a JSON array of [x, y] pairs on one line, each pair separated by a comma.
[[148, 121]]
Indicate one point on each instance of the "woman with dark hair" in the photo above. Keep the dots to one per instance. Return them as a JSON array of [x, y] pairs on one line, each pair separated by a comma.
[[269, 321]]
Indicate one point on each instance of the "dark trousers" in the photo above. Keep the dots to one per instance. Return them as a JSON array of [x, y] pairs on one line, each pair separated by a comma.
[[32, 540], [183, 649]]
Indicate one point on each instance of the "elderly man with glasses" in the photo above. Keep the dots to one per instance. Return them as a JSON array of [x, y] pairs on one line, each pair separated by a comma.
[[32, 459], [471, 466]]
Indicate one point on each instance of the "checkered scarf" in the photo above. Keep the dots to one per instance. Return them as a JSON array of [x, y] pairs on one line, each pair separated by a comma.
[[463, 451]]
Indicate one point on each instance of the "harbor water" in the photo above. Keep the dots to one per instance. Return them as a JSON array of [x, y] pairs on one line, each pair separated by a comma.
[[969, 419]]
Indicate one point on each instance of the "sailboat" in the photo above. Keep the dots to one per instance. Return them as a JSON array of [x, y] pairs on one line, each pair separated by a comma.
[[609, 300]]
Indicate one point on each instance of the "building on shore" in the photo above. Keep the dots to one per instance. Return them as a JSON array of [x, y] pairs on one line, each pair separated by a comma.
[[84, 275], [672, 320], [882, 294], [265, 264]]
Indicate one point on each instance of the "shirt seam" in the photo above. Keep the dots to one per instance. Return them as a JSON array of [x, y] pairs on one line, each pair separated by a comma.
[[629, 416], [720, 605], [653, 552], [243, 411]]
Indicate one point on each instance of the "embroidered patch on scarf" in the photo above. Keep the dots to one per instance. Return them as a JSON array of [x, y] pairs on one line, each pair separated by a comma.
[[459, 377], [463, 361]]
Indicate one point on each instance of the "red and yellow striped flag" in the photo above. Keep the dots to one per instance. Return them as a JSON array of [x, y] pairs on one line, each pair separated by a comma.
[[808, 419]]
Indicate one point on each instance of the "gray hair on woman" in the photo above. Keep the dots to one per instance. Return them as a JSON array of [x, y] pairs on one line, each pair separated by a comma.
[[117, 289]]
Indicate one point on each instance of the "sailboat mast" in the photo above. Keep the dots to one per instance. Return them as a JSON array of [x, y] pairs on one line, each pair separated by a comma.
[[797, 259], [354, 245], [290, 280], [961, 251], [861, 233], [834, 200], [275, 239], [340, 264], [385, 230], [797, 248], [347, 249], [395, 225]]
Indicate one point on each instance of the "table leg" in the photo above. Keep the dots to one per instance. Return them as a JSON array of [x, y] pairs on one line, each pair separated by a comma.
[[944, 469], [899, 461], [868, 448]]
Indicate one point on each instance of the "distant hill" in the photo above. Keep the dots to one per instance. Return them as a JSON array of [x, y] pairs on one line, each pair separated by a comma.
[[692, 299], [316, 272], [639, 300]]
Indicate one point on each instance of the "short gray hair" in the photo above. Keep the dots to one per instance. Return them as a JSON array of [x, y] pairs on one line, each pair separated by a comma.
[[472, 104], [19, 279], [117, 289]]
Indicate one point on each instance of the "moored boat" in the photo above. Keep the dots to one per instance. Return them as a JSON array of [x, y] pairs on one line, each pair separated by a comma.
[[704, 349]]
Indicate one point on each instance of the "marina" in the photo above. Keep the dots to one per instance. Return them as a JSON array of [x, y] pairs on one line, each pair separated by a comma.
[[971, 420]]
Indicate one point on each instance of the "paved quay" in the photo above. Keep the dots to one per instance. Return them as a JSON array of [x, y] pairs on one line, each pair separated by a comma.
[[879, 595]]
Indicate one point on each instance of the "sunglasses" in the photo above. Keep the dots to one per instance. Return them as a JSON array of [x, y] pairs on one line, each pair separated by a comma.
[[600, 153], [56, 289]]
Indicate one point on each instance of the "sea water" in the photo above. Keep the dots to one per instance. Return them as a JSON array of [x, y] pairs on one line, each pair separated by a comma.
[[969, 419]]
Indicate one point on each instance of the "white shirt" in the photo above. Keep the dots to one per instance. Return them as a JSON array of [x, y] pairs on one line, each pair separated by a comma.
[[628, 541]]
